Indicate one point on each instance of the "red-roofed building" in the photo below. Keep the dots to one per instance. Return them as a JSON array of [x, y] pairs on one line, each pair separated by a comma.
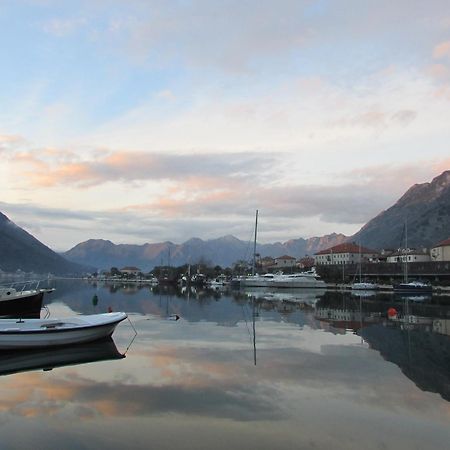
[[441, 251], [346, 253]]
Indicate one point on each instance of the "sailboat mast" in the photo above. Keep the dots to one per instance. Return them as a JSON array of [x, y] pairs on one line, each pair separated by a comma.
[[360, 262], [254, 244], [254, 331], [406, 250]]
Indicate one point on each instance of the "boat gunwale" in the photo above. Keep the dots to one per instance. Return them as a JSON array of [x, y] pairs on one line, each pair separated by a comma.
[[72, 329]]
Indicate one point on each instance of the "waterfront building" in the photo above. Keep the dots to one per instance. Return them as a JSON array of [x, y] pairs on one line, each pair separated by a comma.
[[284, 262], [131, 270], [266, 263], [409, 255], [347, 253], [441, 251]]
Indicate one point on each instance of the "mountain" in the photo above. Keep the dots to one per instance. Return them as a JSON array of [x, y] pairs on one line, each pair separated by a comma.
[[426, 209], [223, 251], [20, 250]]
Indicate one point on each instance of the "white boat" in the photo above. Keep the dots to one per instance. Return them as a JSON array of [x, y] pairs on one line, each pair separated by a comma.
[[34, 333], [407, 286], [308, 279], [219, 281]]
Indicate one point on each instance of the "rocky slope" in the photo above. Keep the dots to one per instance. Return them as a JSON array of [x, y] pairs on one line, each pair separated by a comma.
[[19, 250], [426, 210]]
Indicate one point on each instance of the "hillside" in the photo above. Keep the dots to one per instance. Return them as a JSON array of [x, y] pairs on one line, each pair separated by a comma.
[[425, 207], [20, 250]]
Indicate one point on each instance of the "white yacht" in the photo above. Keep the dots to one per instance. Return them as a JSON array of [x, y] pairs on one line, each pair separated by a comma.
[[308, 279]]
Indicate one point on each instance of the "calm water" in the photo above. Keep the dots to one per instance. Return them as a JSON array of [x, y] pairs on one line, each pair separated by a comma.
[[331, 372]]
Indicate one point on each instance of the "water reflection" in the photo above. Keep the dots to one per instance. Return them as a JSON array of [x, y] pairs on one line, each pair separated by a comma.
[[327, 366], [50, 358]]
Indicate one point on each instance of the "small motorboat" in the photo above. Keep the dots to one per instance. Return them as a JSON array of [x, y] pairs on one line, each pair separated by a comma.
[[413, 287], [34, 333], [22, 302]]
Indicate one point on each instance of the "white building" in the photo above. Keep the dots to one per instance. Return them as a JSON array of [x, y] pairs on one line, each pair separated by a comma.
[[409, 255], [348, 253], [441, 251], [131, 270]]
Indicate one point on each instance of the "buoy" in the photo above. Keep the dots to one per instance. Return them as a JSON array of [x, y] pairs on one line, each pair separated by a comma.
[[110, 309], [392, 312]]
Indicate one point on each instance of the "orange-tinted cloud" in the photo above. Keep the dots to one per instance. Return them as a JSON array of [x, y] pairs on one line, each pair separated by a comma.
[[442, 50], [439, 72], [51, 167]]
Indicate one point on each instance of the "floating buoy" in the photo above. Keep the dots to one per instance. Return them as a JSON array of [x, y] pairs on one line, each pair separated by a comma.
[[392, 312], [110, 309]]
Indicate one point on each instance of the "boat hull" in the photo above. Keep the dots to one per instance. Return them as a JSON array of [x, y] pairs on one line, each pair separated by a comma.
[[409, 289], [284, 284], [19, 335], [22, 305]]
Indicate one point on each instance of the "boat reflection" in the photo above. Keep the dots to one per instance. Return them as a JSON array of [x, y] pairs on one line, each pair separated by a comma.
[[50, 358], [308, 296]]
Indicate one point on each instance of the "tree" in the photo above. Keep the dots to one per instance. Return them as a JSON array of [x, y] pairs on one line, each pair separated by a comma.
[[115, 271]]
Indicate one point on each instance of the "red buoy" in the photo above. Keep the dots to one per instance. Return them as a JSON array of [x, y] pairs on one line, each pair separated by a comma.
[[392, 312]]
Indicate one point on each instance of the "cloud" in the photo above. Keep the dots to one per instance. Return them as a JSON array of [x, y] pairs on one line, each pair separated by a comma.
[[442, 50], [214, 206], [51, 167], [209, 34], [64, 27], [404, 117], [8, 143], [440, 72]]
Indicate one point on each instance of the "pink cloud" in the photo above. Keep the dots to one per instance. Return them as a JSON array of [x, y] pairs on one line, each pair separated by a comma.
[[439, 72], [442, 50], [51, 167]]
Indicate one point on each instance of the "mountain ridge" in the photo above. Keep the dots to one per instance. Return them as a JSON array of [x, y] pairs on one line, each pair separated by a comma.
[[20, 250], [424, 207], [223, 251]]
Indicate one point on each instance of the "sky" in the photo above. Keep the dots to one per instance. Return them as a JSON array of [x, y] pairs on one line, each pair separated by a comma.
[[148, 121]]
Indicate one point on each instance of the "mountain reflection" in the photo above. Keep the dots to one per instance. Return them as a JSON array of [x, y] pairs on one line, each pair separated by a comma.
[[317, 353], [320, 341]]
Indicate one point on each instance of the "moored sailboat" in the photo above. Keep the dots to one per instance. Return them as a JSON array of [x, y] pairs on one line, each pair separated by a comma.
[[410, 287]]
